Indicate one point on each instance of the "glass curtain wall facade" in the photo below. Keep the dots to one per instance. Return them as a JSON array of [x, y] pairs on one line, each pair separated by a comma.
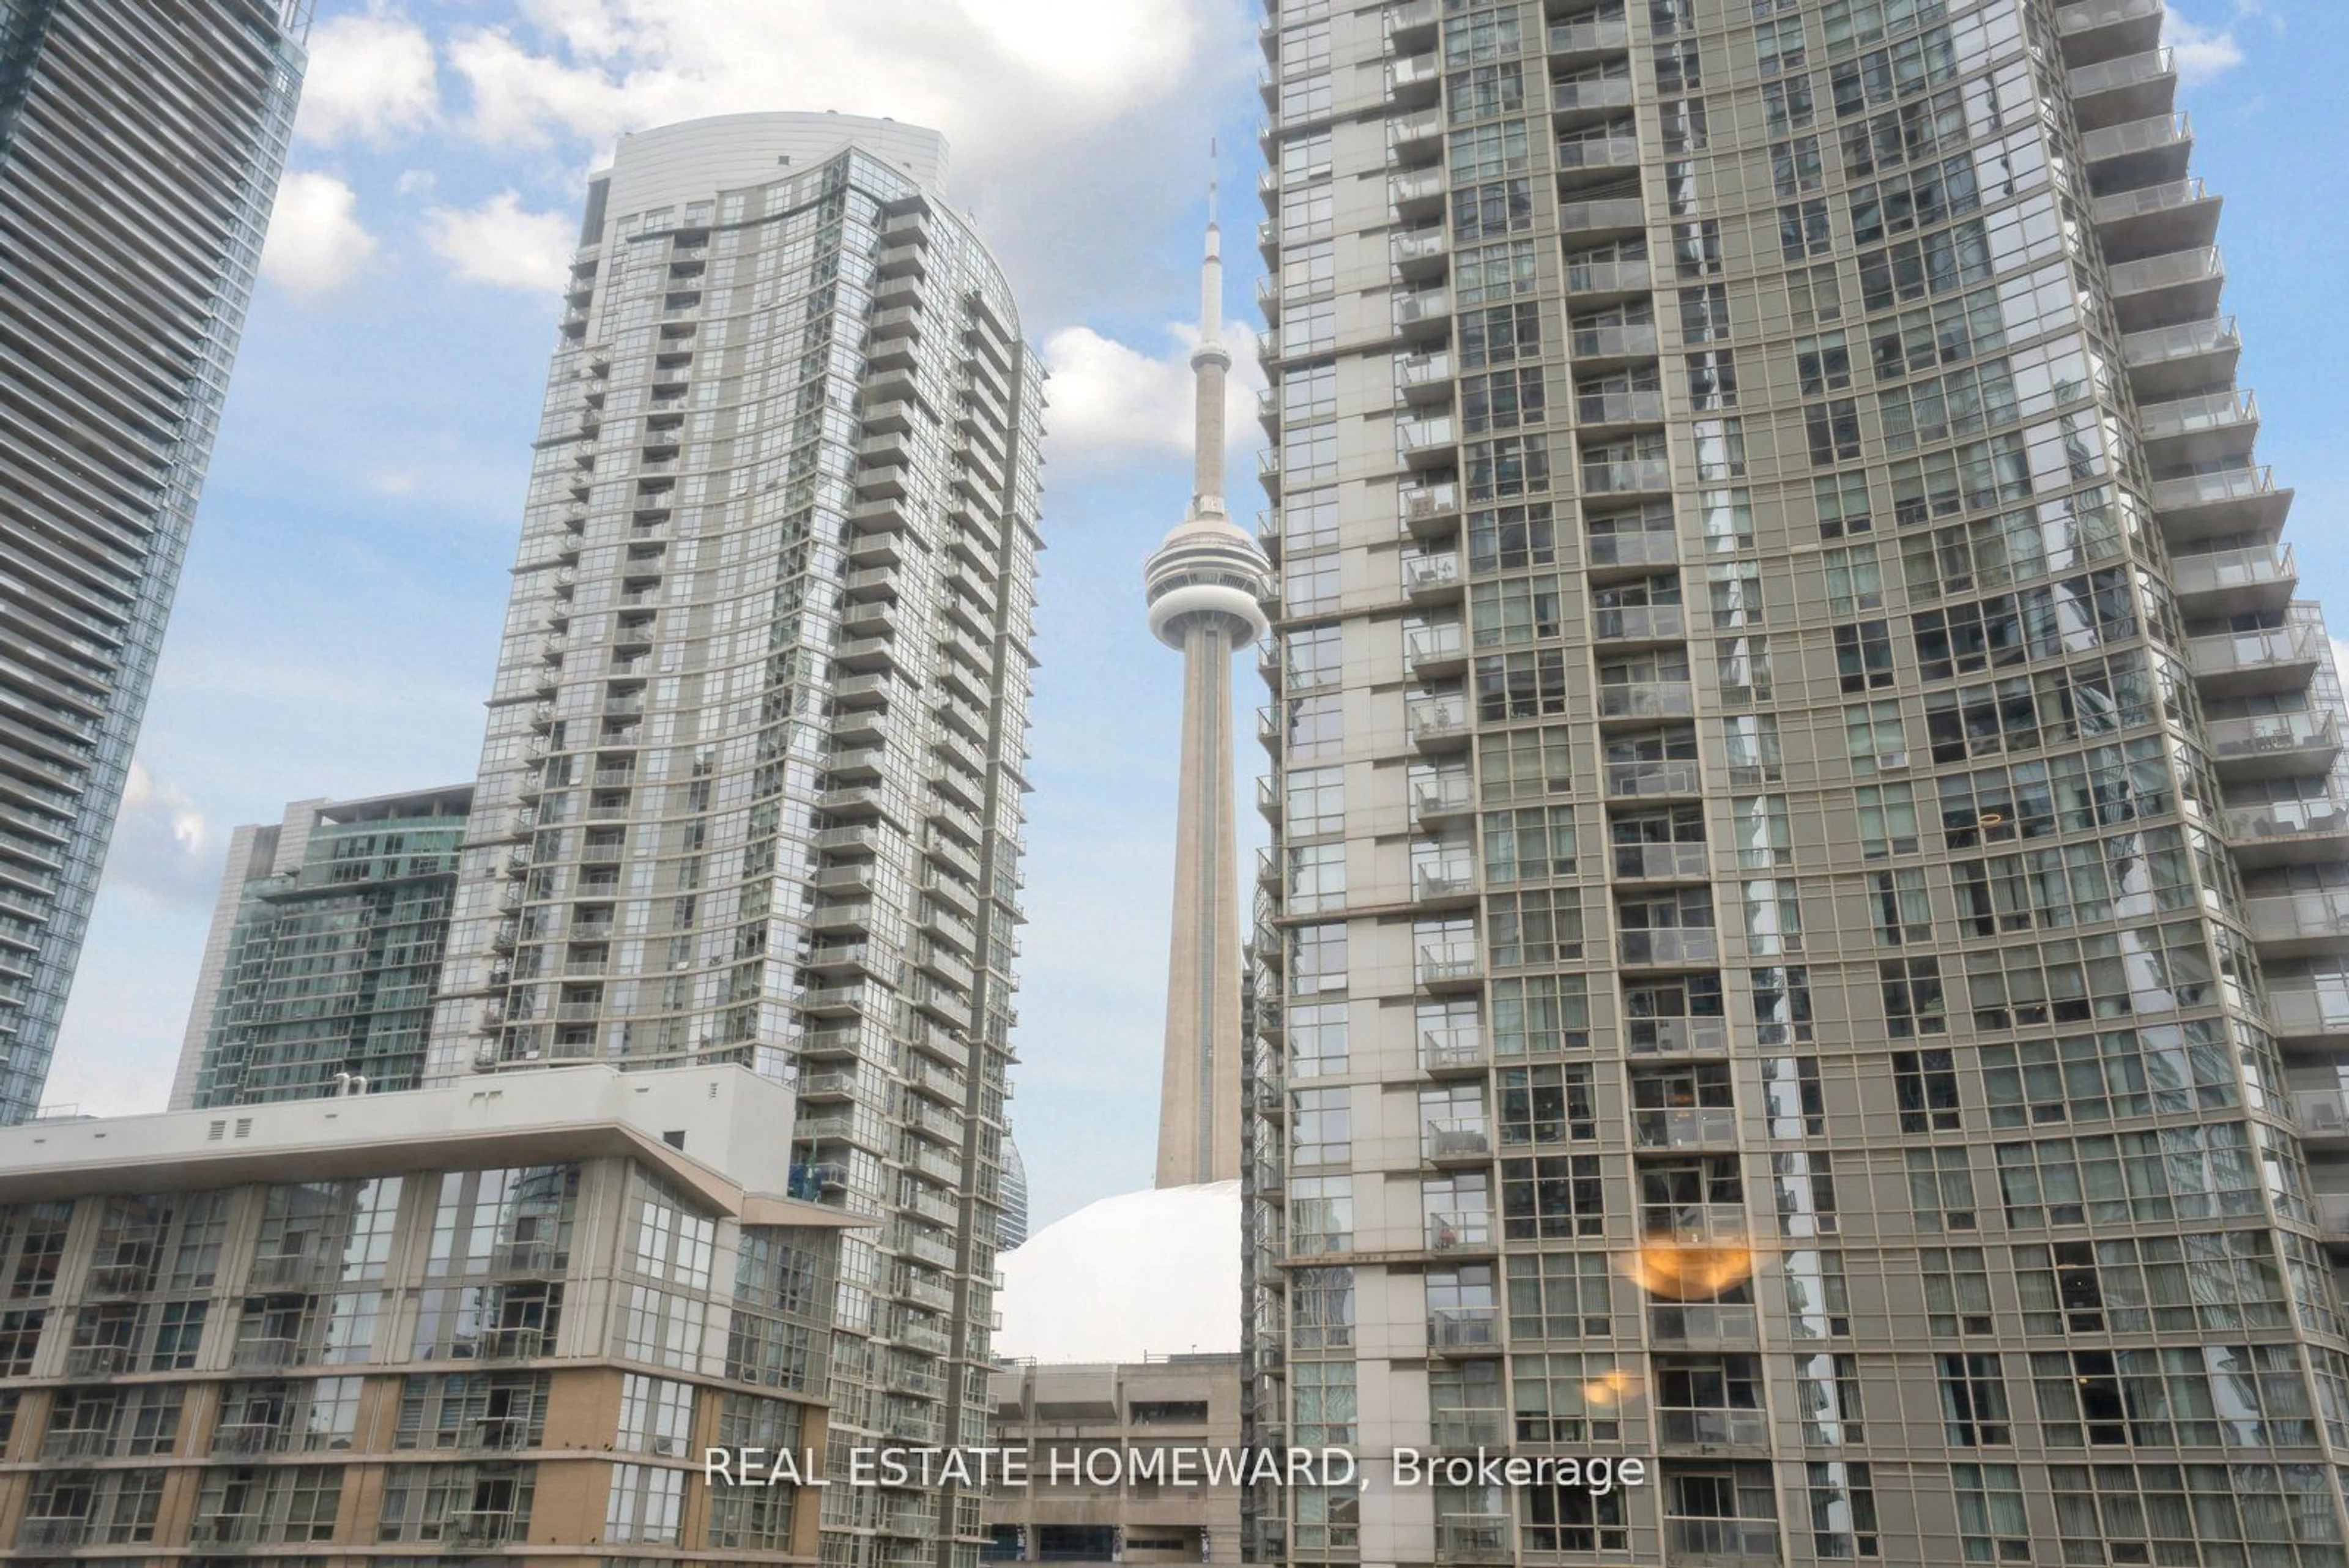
[[140, 150], [334, 925], [1805, 934], [751, 786]]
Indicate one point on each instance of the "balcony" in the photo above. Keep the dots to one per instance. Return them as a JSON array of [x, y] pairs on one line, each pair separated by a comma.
[[1588, 282], [2213, 428], [1425, 312], [1414, 80], [1449, 965], [1681, 862], [1646, 780], [2095, 30], [1589, 94], [2273, 745], [2138, 153], [1415, 195], [1640, 623], [1459, 1429], [1720, 1540], [1457, 1049], [1429, 510], [1464, 1231], [1608, 409], [2305, 1014], [1647, 699], [1599, 345], [1438, 725], [1570, 39], [2286, 832], [1601, 156], [1430, 442], [2332, 1215], [1711, 1428], [2131, 87], [1685, 1126], [1670, 946], [1632, 551], [1476, 1330], [1451, 883], [1473, 1538], [1435, 799], [2228, 582], [2184, 286], [1676, 1037], [2279, 660], [1421, 378], [2228, 501], [1432, 576], [2158, 220], [1702, 1324], [1414, 136], [1434, 652], [2167, 362], [1410, 24], [2323, 1117], [2298, 925]]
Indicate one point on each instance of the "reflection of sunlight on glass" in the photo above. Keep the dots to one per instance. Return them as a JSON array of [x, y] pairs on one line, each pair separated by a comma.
[[1614, 1390], [1688, 1271]]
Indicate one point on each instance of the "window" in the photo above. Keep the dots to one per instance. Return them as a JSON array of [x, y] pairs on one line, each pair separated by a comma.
[[1567, 1398], [1321, 1308], [1532, 843], [1791, 1100], [1788, 105], [1913, 1003], [1503, 537], [1560, 1295], [1778, 46], [1316, 1039], [1712, 380], [1320, 1131], [1903, 910], [1833, 430], [1974, 1400], [1818, 1298], [1534, 928], [1540, 1015], [1316, 958], [1957, 1290], [1941, 1188], [1843, 1511], [1804, 230], [1795, 166], [1315, 802], [1552, 1198], [1323, 1393], [1316, 878], [1864, 655], [1827, 1395], [1992, 1522], [1546, 1105], [1321, 1214], [1887, 819]]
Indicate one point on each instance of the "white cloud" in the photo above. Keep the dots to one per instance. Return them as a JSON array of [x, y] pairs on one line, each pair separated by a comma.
[[2204, 51], [370, 77], [1111, 403], [316, 242], [1076, 124], [499, 244], [161, 850]]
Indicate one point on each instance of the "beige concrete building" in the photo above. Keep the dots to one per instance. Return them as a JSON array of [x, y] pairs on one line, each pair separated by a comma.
[[1068, 1415], [1805, 934], [489, 1320]]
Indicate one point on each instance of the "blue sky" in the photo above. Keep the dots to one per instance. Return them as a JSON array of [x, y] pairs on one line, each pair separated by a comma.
[[338, 621]]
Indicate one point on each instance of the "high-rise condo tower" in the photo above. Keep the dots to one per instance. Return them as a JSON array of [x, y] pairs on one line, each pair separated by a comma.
[[1810, 940]]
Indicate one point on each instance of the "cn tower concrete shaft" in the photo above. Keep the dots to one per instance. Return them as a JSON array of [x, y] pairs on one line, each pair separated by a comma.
[[1199, 1115]]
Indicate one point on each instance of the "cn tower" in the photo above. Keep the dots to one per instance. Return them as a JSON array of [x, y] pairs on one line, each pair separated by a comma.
[[1204, 584]]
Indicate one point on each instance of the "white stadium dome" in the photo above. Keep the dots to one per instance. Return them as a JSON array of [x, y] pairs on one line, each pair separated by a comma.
[[1143, 1274]]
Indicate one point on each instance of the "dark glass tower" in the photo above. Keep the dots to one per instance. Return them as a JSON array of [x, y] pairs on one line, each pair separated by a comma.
[[140, 150]]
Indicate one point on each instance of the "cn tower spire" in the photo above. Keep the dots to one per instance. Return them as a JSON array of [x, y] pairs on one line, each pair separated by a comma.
[[1204, 585], [1211, 367]]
